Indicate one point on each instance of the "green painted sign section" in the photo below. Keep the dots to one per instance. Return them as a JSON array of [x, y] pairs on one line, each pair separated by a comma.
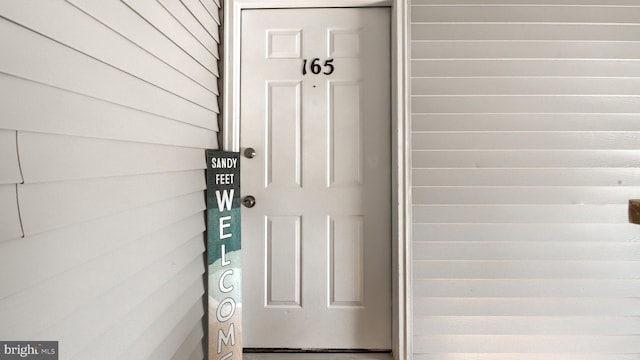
[[224, 254]]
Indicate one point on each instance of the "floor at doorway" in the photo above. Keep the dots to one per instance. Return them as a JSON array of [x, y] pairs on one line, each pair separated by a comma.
[[314, 356]]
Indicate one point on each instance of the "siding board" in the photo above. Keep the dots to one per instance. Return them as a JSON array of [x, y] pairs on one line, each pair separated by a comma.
[[49, 205], [197, 354], [10, 225], [527, 269], [104, 45], [121, 19], [527, 14], [543, 288], [552, 251], [525, 67], [9, 165], [99, 81], [526, 86], [70, 157], [521, 306], [204, 18], [607, 214], [528, 343], [510, 31], [623, 140], [115, 342], [566, 232], [495, 49], [524, 122], [186, 19], [213, 8], [93, 240], [62, 296], [522, 195], [524, 325], [525, 104], [92, 319], [69, 113], [526, 159], [190, 344], [181, 315], [526, 177], [524, 140], [162, 20]]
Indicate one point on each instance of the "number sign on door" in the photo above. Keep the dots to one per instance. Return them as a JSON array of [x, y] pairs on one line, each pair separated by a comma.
[[315, 67]]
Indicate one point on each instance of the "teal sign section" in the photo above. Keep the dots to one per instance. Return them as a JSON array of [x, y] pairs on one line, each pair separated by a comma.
[[223, 201], [224, 254]]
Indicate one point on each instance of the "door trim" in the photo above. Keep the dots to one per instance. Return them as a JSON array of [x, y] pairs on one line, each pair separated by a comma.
[[400, 143]]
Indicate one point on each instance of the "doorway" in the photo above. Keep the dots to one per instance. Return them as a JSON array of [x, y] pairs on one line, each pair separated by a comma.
[[400, 133], [315, 120]]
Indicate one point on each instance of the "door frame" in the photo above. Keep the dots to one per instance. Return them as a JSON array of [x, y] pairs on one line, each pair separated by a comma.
[[400, 141]]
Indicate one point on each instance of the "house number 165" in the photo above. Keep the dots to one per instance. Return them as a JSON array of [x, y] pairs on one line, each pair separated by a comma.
[[316, 68]]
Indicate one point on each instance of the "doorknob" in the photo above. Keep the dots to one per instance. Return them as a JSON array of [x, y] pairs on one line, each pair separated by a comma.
[[249, 153], [249, 201]]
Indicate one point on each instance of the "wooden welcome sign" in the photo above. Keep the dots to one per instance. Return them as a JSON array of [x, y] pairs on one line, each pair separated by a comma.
[[224, 255]]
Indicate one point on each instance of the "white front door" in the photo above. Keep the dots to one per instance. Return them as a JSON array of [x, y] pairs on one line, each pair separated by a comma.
[[315, 106]]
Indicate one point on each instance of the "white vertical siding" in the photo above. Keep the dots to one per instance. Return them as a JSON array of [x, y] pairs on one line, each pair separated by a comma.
[[106, 108], [526, 149]]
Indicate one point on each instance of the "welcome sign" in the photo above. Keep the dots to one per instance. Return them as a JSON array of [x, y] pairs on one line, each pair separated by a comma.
[[224, 255]]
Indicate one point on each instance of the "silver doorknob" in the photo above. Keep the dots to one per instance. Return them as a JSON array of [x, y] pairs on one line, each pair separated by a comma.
[[249, 153], [249, 201]]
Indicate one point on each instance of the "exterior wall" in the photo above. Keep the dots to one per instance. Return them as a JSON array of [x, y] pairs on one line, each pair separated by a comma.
[[105, 109], [525, 150]]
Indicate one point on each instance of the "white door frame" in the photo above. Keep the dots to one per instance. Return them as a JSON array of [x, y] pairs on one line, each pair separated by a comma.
[[400, 143]]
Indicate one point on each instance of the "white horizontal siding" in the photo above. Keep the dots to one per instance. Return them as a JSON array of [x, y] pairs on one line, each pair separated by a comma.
[[105, 82], [70, 113], [90, 240], [579, 232], [204, 17], [9, 166], [71, 157], [558, 12], [525, 151], [186, 18], [116, 341], [518, 307], [45, 206], [506, 86], [530, 344], [534, 32], [180, 311], [83, 287], [105, 112], [184, 337], [164, 21], [189, 344], [10, 225], [478, 195], [525, 67], [119, 17]]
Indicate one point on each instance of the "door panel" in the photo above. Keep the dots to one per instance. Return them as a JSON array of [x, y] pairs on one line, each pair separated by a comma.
[[282, 278], [317, 244]]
